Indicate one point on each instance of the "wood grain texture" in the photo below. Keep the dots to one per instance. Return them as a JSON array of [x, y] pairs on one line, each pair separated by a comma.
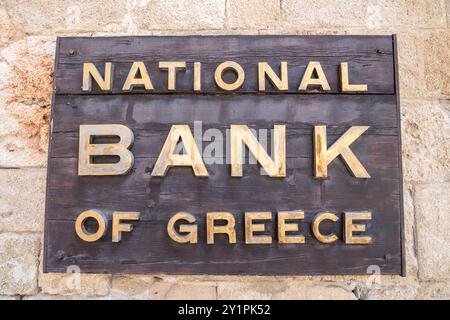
[[148, 248], [369, 57]]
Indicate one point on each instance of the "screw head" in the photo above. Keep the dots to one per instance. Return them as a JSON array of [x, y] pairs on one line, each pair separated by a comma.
[[60, 255]]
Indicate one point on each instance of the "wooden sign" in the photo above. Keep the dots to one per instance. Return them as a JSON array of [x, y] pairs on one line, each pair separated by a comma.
[[256, 155]]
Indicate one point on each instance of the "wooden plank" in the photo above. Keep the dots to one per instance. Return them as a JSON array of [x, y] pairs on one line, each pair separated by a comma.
[[133, 255], [157, 112], [370, 60], [148, 143], [180, 189]]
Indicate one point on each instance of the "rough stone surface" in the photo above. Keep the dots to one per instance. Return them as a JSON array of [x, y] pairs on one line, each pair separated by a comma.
[[42, 296], [323, 13], [423, 63], [83, 284], [7, 30], [179, 15], [393, 292], [18, 263], [171, 289], [410, 230], [25, 101], [448, 13], [9, 297], [425, 140], [406, 13], [437, 66], [252, 14], [370, 14], [283, 290], [61, 16], [432, 207], [22, 197], [411, 65]]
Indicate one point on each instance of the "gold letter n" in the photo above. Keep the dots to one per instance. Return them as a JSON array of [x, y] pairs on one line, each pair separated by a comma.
[[323, 156]]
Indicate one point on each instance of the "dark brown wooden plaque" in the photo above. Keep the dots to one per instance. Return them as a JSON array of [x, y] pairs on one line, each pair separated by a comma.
[[148, 248]]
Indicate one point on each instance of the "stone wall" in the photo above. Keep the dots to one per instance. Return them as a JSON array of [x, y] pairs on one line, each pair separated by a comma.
[[27, 41]]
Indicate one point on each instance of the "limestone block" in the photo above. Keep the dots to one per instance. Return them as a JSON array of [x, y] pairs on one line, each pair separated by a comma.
[[209, 32], [283, 290], [22, 200], [411, 65], [425, 142], [324, 13], [179, 15], [13, 151], [9, 297], [43, 296], [432, 203], [252, 14], [409, 227], [131, 286], [436, 49], [5, 25], [19, 263], [363, 13], [423, 64], [405, 13], [60, 16], [448, 13]]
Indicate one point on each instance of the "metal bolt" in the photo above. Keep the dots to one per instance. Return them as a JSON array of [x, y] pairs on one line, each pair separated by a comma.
[[71, 52], [150, 203], [380, 51], [60, 255]]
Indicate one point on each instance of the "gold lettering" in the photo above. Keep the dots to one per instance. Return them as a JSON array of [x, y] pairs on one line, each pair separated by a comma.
[[212, 229], [87, 150], [90, 71], [229, 65], [307, 79], [284, 227], [197, 77], [323, 156], [191, 229], [316, 227], [81, 230], [350, 227], [241, 134], [192, 156], [172, 67], [132, 81]]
